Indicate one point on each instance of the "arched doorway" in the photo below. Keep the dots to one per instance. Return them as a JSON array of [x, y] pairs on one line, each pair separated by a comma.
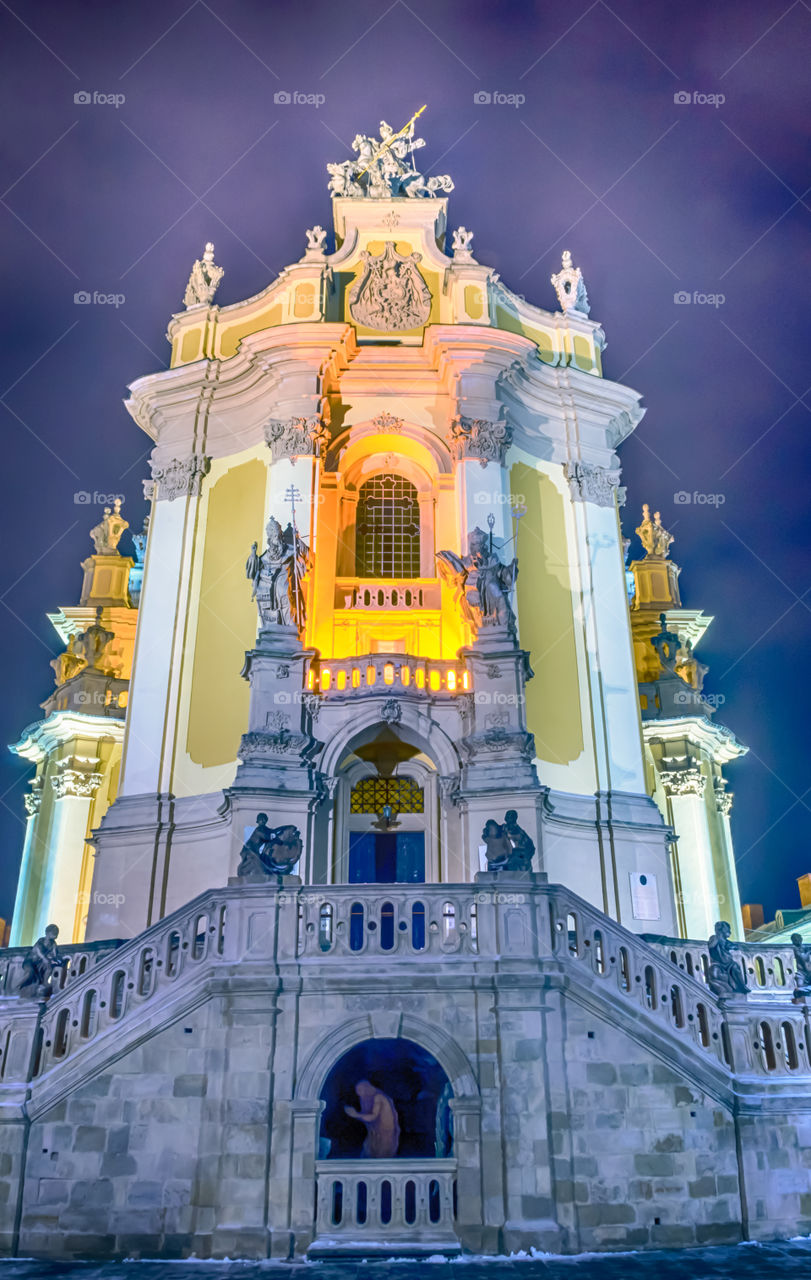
[[387, 809], [411, 1078]]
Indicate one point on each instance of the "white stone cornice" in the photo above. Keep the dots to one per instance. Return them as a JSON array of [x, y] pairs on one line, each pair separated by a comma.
[[719, 743], [44, 737]]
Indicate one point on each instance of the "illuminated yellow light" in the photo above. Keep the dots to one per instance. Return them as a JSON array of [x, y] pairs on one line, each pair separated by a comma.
[[311, 679], [326, 678], [371, 674], [452, 681], [419, 677], [388, 673], [356, 677], [434, 680], [405, 675], [465, 679], [340, 680]]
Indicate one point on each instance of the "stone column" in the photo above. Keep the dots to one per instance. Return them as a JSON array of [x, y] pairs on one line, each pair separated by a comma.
[[684, 786], [75, 781]]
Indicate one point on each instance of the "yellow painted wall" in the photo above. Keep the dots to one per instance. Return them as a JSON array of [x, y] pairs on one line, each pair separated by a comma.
[[546, 618], [226, 621]]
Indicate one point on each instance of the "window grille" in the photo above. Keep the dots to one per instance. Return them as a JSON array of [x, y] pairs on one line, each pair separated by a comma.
[[371, 794], [388, 529]]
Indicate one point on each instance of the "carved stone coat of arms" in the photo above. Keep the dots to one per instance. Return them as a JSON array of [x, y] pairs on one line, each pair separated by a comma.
[[390, 294]]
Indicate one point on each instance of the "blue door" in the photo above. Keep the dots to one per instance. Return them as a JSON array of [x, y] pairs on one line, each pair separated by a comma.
[[386, 857]]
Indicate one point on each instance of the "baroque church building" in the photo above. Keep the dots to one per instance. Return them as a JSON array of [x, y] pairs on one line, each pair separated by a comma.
[[389, 852]]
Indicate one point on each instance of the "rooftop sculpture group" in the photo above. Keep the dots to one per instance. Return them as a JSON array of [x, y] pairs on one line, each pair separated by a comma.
[[385, 167]]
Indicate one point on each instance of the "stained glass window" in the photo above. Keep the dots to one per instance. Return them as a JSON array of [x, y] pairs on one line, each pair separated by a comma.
[[388, 529], [371, 794]]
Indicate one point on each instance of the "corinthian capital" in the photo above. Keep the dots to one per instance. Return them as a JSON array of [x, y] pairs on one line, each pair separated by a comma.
[[180, 477], [295, 437], [72, 781], [480, 438], [685, 779], [588, 483]]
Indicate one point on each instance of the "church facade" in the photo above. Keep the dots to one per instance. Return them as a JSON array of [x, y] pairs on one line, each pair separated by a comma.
[[395, 799]]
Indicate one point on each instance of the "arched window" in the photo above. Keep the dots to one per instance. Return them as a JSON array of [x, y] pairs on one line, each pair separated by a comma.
[[387, 542]]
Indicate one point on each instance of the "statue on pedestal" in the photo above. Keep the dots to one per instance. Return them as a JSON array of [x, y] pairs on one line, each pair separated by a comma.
[[802, 965], [726, 976], [482, 581], [277, 575], [204, 279], [40, 964], [270, 851]]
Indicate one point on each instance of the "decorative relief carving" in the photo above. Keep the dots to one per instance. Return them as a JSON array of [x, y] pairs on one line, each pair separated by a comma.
[[387, 422], [588, 483], [180, 477], [480, 438], [33, 799], [391, 711], [296, 437], [390, 295]]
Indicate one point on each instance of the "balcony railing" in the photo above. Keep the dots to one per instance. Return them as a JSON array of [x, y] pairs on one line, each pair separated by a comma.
[[387, 593], [110, 988], [381, 673], [394, 1206]]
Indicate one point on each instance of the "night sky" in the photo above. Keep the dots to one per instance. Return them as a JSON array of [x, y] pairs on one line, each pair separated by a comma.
[[652, 194]]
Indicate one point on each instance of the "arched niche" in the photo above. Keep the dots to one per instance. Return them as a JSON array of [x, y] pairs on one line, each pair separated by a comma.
[[411, 1077]]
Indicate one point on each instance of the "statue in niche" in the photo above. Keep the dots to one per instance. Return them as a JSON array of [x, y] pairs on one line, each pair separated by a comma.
[[726, 976], [482, 581], [509, 848], [277, 575], [107, 534], [39, 965], [378, 1113], [270, 851], [91, 645], [802, 964]]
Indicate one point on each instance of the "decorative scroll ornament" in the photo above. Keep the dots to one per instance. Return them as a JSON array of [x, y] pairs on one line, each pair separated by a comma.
[[180, 477], [70, 781], [654, 537], [588, 483], [296, 437], [390, 295], [204, 280], [570, 288], [391, 711], [384, 168], [107, 534], [461, 245], [480, 438]]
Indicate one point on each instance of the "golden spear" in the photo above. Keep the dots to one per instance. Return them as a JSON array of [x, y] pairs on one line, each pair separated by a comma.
[[390, 140]]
